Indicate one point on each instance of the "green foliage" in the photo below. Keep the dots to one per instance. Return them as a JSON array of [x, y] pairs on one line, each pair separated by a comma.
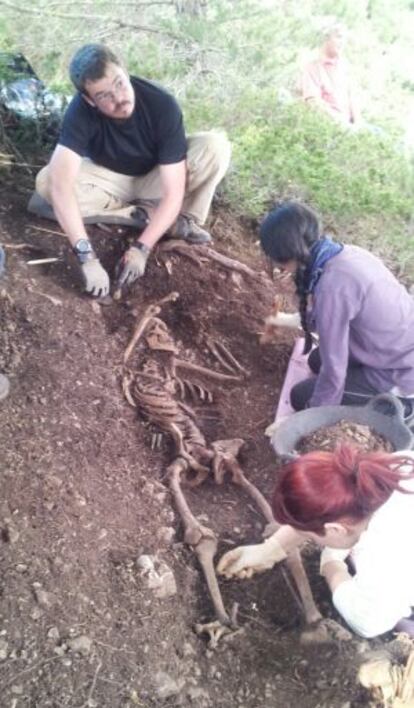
[[299, 151], [236, 67]]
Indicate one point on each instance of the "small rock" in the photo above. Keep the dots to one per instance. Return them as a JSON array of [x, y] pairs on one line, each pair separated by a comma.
[[43, 598], [81, 645], [160, 497], [60, 650], [3, 649], [149, 489], [166, 686], [36, 613], [12, 534], [168, 515], [188, 649], [165, 535], [53, 634], [21, 568], [17, 689], [198, 696], [167, 586], [145, 563]]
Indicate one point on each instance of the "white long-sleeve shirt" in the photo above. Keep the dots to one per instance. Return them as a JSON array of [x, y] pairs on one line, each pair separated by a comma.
[[382, 590]]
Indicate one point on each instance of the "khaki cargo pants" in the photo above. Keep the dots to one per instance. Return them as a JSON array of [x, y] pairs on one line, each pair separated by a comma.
[[101, 192]]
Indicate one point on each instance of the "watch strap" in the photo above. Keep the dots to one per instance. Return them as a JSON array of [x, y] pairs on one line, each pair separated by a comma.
[[141, 247]]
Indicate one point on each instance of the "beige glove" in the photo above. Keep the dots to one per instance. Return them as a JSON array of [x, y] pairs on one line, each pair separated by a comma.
[[132, 264], [283, 319], [333, 554], [96, 278], [245, 561]]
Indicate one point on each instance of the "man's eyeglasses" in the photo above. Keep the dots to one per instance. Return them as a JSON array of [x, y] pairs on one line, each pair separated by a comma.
[[107, 97]]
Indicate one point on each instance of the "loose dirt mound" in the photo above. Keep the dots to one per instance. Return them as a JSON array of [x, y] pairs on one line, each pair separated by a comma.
[[361, 436], [83, 495]]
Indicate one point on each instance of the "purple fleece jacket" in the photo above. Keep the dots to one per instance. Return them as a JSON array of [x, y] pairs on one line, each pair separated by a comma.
[[361, 312]]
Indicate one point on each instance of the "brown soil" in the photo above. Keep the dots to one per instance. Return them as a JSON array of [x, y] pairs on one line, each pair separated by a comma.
[[83, 495], [361, 436]]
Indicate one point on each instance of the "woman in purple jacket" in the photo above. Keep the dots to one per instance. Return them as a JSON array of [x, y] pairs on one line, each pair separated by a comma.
[[363, 316]]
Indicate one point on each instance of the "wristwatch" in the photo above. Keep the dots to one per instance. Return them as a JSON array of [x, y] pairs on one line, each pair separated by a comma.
[[84, 250], [142, 247]]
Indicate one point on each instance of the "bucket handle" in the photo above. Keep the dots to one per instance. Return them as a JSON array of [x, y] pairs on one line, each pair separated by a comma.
[[387, 404]]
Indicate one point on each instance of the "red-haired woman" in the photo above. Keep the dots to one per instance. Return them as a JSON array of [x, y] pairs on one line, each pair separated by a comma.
[[352, 503]]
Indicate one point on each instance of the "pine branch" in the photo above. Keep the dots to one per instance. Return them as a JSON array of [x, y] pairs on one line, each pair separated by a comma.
[[92, 18]]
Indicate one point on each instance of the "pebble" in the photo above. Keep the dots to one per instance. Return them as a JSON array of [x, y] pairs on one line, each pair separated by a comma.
[[17, 689], [3, 649], [81, 645], [21, 568], [165, 534], [53, 634], [61, 650], [161, 580], [166, 686], [36, 613], [43, 598], [161, 497], [188, 649], [198, 696], [12, 534]]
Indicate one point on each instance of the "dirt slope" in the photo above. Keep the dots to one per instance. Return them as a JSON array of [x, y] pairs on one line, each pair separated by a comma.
[[83, 494]]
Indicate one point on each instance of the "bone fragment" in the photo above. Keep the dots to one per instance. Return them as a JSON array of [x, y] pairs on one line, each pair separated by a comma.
[[201, 538], [234, 363], [203, 371], [150, 312]]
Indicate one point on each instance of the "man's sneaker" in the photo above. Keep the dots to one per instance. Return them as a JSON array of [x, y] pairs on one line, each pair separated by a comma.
[[188, 230]]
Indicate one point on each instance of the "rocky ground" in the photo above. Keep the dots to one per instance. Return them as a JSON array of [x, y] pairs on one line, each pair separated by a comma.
[[84, 499]]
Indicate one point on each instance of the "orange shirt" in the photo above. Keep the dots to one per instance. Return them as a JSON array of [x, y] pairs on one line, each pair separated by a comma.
[[328, 80]]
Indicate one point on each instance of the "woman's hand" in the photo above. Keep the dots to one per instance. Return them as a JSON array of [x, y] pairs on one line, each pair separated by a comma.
[[245, 561]]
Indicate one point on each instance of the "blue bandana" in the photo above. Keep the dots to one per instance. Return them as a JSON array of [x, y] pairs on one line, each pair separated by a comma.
[[321, 252]]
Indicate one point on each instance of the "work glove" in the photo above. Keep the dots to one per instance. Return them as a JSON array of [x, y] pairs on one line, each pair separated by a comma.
[[333, 554], [245, 561], [132, 264], [283, 319], [96, 278]]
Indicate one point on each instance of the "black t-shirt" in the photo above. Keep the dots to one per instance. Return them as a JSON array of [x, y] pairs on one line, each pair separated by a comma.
[[152, 135]]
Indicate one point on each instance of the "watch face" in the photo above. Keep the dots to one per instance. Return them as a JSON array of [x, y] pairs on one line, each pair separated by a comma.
[[83, 246]]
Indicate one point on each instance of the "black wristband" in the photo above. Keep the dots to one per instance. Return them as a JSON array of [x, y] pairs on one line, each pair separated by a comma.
[[141, 247]]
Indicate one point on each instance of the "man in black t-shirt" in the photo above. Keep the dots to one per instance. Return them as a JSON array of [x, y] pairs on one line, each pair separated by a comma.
[[122, 143]]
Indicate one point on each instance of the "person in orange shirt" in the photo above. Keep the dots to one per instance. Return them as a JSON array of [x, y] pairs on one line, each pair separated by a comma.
[[326, 82]]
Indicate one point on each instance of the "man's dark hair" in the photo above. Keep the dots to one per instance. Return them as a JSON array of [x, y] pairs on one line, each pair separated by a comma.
[[89, 64]]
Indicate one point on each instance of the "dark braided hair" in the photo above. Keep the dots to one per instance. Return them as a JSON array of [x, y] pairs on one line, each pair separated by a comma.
[[288, 233]]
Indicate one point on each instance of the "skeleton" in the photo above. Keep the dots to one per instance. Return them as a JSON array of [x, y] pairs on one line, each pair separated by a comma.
[[159, 392]]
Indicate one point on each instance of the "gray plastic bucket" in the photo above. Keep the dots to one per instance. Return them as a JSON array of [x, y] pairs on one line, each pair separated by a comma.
[[384, 414]]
